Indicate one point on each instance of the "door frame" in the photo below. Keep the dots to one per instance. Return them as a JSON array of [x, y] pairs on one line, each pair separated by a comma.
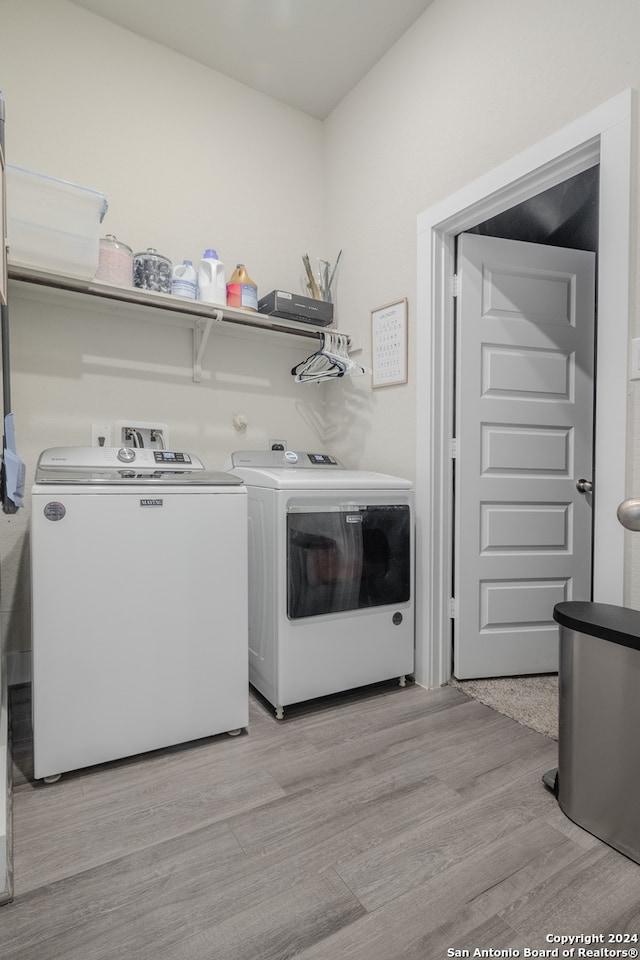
[[602, 136]]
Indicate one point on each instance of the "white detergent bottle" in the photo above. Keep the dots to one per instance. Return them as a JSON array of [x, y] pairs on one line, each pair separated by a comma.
[[211, 283], [184, 282]]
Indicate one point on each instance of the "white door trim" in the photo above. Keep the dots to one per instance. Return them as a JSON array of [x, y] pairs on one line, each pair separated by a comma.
[[604, 136]]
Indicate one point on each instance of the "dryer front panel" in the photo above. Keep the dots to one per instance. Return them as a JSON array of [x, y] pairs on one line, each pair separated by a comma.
[[347, 557]]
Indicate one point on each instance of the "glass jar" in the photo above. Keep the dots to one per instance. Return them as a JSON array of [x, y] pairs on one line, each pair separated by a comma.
[[152, 271], [115, 262]]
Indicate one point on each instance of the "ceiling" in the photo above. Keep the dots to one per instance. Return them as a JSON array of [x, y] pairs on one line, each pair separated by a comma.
[[306, 53]]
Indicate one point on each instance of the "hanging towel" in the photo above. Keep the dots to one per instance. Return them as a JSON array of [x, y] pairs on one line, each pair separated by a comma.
[[14, 468]]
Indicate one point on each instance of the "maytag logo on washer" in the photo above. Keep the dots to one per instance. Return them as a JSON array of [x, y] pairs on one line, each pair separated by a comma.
[[151, 502]]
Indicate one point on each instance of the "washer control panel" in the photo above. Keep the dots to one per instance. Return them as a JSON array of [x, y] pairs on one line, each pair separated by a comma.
[[109, 458], [171, 456], [129, 454]]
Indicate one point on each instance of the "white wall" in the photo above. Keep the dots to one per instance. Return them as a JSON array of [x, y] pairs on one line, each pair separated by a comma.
[[188, 159]]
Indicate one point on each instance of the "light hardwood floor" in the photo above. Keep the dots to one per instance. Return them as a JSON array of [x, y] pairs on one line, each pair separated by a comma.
[[391, 824]]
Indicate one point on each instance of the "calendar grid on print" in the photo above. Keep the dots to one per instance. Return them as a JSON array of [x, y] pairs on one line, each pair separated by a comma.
[[389, 344]]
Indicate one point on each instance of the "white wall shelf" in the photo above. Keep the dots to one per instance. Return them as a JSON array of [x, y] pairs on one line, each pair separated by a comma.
[[199, 316]]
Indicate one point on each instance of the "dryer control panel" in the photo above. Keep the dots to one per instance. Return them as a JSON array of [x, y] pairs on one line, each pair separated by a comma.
[[282, 459], [322, 458]]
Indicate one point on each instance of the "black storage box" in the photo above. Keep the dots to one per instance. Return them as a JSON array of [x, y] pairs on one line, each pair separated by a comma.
[[291, 306]]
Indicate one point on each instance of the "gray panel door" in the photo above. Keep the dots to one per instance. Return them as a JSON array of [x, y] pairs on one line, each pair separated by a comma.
[[524, 427]]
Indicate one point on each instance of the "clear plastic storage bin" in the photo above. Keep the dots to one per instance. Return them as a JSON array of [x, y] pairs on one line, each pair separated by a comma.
[[53, 225]]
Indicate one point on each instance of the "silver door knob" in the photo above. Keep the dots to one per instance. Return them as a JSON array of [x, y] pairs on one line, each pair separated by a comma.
[[629, 514], [584, 486]]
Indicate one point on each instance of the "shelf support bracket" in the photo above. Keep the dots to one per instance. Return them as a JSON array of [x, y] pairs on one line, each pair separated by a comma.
[[201, 331]]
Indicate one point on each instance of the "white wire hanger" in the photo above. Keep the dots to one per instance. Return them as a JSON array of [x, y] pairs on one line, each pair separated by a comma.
[[331, 360]]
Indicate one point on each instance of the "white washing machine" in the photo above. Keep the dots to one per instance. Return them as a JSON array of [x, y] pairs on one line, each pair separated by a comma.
[[139, 604], [331, 575]]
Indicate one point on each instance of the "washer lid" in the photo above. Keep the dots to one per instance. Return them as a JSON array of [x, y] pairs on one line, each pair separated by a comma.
[[127, 475], [132, 465]]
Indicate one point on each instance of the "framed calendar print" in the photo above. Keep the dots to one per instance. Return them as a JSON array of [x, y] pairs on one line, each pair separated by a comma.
[[389, 344]]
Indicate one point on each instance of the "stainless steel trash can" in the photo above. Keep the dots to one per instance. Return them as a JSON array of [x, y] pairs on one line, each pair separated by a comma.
[[598, 777]]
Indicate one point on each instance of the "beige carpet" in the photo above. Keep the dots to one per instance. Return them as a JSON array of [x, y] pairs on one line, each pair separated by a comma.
[[532, 701]]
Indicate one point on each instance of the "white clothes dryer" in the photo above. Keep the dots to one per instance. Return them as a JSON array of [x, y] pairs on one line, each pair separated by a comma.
[[139, 604], [331, 575]]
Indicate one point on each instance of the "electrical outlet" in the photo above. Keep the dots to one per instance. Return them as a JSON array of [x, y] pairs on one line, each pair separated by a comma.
[[136, 433], [100, 435], [277, 444]]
